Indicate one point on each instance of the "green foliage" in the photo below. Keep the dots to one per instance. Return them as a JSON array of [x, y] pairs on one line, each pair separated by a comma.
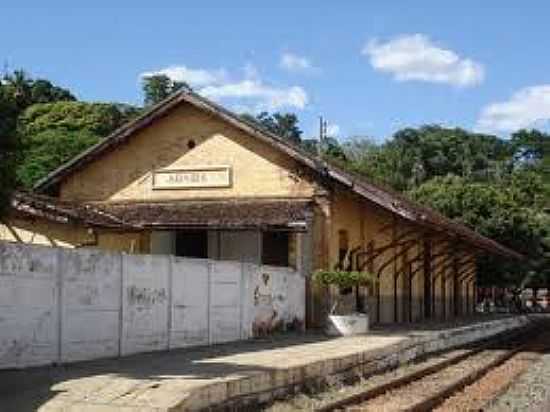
[[98, 118], [52, 133], [284, 125], [17, 92], [49, 125], [9, 146], [381, 163], [158, 87], [48, 149], [532, 151], [507, 212], [414, 156], [343, 279], [43, 91], [26, 91]]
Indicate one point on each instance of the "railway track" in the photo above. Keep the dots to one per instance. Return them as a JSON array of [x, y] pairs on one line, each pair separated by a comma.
[[450, 380]]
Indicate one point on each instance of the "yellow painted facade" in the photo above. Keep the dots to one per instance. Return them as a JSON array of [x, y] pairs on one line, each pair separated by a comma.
[[125, 174], [44, 232], [47, 233]]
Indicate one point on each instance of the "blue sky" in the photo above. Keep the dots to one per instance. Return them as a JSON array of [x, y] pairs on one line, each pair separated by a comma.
[[369, 67]]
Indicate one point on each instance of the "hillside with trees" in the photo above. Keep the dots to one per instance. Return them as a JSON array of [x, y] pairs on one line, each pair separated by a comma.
[[499, 187]]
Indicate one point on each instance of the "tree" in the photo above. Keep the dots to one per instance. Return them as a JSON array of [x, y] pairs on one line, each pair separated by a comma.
[[18, 92], [43, 91], [18, 86], [413, 156], [284, 125], [52, 133], [507, 212], [383, 164], [158, 87], [98, 118], [9, 146], [47, 150], [25, 91], [532, 151]]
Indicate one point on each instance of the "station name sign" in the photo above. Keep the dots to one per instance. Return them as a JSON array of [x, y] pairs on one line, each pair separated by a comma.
[[193, 178]]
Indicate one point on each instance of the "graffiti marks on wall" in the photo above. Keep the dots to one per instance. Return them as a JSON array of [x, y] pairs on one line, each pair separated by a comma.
[[145, 296], [271, 305]]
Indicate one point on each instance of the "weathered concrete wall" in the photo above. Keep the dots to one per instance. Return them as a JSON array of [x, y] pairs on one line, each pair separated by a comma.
[[29, 302], [190, 303], [89, 303], [63, 305], [275, 302], [145, 303]]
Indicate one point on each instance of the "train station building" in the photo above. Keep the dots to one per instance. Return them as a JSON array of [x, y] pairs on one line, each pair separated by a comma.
[[190, 178]]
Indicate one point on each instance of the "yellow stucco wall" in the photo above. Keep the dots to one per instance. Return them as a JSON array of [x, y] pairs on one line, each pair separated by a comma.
[[363, 222], [125, 174], [124, 242], [43, 232]]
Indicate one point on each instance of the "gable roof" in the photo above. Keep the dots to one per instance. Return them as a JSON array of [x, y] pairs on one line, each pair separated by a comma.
[[384, 197]]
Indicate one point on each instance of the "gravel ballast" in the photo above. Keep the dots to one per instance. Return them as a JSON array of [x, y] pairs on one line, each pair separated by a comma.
[[531, 392]]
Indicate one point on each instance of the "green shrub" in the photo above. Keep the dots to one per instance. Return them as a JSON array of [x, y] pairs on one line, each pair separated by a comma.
[[343, 279]]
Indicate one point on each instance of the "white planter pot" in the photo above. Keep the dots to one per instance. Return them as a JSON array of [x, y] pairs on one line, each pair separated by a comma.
[[348, 325]]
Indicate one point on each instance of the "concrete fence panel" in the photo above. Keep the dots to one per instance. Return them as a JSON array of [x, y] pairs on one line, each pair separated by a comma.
[[90, 302], [274, 298], [225, 301], [190, 309], [145, 295], [62, 305], [29, 306]]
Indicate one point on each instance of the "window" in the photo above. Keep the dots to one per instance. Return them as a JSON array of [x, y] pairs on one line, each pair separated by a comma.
[[192, 243], [275, 247]]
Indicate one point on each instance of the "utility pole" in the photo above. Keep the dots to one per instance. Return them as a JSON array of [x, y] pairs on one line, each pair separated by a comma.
[[5, 70], [319, 149], [322, 135]]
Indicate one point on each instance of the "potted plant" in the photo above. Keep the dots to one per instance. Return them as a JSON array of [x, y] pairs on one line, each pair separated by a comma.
[[346, 324]]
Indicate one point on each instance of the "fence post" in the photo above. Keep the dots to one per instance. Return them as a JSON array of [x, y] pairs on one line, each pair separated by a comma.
[[169, 319], [242, 299], [59, 283], [121, 306], [208, 301]]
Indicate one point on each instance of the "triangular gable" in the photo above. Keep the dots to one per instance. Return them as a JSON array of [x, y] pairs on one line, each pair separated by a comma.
[[161, 109]]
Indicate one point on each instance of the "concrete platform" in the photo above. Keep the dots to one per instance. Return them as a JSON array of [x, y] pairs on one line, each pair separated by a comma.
[[233, 374]]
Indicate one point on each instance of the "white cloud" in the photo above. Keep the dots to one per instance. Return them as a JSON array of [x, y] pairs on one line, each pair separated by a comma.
[[249, 93], [415, 57], [527, 107], [267, 97], [333, 130], [294, 63], [194, 77]]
